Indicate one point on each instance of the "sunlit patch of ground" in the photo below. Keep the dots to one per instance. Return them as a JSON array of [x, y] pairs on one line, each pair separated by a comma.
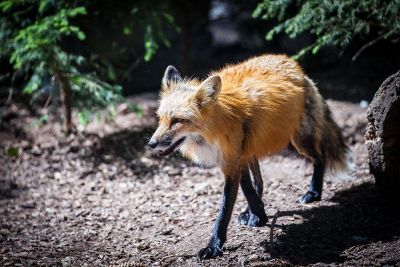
[[98, 198]]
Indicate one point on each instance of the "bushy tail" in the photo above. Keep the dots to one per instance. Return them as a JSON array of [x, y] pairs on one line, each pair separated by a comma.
[[319, 137], [334, 150]]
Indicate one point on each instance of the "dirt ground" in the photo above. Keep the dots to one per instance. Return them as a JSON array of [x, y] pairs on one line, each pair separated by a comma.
[[98, 198]]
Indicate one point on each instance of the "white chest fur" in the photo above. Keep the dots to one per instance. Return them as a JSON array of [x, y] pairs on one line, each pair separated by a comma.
[[200, 152]]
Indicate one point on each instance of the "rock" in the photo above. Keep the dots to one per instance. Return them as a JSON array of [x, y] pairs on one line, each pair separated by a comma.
[[36, 150], [297, 216], [65, 204], [166, 232], [253, 258], [3, 250], [364, 104], [58, 176], [67, 261], [201, 188], [50, 210], [383, 135], [22, 254], [4, 231]]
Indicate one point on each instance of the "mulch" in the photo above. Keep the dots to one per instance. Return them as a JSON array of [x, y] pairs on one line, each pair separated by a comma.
[[98, 198]]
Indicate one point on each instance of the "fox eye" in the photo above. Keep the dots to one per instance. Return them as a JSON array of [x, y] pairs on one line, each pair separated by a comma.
[[177, 120]]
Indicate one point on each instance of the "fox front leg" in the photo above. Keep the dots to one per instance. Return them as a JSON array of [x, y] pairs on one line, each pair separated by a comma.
[[218, 235], [254, 215], [257, 177]]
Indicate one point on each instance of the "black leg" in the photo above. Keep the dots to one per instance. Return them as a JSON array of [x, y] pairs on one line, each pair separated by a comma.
[[255, 214], [315, 190], [218, 235], [257, 178]]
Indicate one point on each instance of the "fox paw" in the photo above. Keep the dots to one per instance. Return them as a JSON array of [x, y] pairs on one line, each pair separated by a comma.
[[251, 219], [209, 252], [310, 196]]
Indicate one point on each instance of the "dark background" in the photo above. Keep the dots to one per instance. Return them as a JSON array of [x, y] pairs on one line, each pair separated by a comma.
[[212, 34], [238, 36], [215, 33]]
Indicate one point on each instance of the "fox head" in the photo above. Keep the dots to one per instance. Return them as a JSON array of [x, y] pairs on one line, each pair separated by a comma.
[[181, 109]]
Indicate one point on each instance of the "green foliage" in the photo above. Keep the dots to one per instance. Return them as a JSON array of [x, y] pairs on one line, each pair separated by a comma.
[[135, 108], [84, 116], [12, 152], [149, 19], [41, 121], [94, 91], [34, 45], [38, 42], [35, 35], [334, 23], [154, 33]]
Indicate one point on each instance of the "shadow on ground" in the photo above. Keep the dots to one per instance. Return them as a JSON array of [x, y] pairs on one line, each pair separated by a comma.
[[128, 149], [8, 189], [361, 216], [124, 144]]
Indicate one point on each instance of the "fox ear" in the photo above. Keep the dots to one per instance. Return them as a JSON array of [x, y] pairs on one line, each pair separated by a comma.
[[171, 74], [208, 91]]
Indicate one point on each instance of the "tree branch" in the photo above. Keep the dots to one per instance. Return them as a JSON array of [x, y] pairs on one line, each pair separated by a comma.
[[271, 234], [367, 45]]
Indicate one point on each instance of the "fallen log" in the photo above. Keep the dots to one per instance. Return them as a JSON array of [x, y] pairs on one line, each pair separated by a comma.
[[383, 135]]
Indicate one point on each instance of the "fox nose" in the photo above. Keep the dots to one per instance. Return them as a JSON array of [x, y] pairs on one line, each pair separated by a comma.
[[152, 143]]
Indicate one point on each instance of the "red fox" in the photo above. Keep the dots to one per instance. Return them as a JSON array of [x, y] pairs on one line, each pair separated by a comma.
[[240, 114]]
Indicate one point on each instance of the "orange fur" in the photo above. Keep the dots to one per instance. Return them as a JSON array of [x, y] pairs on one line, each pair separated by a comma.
[[263, 94], [266, 91]]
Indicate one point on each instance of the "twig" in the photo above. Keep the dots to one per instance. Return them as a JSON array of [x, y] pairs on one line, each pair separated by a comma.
[[179, 256], [10, 95], [271, 233], [367, 45], [50, 97], [206, 221], [48, 101]]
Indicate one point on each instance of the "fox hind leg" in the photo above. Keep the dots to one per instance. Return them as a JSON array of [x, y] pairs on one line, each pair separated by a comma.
[[315, 189], [254, 215], [319, 139], [308, 147]]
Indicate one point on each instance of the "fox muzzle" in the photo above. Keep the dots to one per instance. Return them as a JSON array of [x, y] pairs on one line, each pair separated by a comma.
[[164, 141]]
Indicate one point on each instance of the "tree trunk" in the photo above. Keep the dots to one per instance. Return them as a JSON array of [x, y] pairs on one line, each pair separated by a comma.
[[383, 135], [66, 102]]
